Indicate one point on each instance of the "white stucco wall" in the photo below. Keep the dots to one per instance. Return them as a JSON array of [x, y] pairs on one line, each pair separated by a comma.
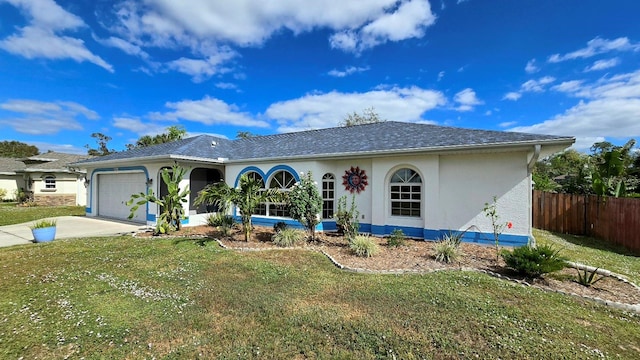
[[467, 182], [10, 184], [455, 188]]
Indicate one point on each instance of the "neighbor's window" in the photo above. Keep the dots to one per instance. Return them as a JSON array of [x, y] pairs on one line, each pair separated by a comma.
[[283, 181], [49, 183], [406, 193], [328, 195]]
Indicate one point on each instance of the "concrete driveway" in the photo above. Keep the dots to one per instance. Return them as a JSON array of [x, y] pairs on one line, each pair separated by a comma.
[[68, 227]]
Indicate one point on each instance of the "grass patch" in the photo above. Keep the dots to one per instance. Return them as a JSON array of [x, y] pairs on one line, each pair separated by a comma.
[[593, 252], [127, 297], [11, 214]]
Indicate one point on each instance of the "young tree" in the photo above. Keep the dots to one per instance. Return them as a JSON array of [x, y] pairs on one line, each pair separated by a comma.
[[612, 164], [247, 197], [171, 204], [369, 116], [305, 204], [103, 148]]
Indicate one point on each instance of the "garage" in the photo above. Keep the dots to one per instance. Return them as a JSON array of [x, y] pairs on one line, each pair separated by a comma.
[[114, 189]]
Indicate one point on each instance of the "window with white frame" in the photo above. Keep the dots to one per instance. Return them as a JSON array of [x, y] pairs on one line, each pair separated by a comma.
[[283, 181], [262, 208], [328, 195], [49, 183], [406, 193]]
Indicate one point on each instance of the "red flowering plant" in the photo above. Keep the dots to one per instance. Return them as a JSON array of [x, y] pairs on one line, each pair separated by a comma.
[[490, 210]]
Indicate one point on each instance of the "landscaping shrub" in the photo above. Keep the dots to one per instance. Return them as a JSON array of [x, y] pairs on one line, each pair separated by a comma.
[[534, 262], [363, 246], [305, 204], [448, 248], [347, 219], [279, 226], [396, 238], [588, 278], [287, 237], [3, 193], [223, 222]]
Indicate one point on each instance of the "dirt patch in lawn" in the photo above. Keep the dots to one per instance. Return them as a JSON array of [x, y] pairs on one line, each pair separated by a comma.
[[419, 256]]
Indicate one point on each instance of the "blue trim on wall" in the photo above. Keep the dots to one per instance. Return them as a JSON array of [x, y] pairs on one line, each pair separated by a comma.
[[249, 169], [329, 225], [287, 168], [265, 177], [111, 170], [434, 235], [151, 217]]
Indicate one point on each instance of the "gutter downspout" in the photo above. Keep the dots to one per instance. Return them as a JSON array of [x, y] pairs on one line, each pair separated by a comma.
[[532, 163], [534, 157]]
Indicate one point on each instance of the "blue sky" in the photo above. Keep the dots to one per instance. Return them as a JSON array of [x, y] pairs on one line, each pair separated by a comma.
[[133, 68]]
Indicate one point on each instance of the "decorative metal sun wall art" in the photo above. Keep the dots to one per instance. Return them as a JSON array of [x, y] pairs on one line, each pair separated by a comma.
[[355, 180]]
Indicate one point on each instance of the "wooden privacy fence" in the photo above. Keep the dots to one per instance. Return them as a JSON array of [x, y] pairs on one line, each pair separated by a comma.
[[615, 220]]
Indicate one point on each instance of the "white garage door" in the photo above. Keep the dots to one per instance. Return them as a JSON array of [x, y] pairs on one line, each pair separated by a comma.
[[115, 189]]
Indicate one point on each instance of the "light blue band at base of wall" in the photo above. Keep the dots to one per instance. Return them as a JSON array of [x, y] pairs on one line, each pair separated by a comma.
[[413, 232]]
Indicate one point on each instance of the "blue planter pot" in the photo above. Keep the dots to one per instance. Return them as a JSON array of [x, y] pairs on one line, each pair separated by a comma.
[[44, 234]]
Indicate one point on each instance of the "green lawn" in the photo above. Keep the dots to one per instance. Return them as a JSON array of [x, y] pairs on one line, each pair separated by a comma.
[[11, 214], [593, 252], [136, 298]]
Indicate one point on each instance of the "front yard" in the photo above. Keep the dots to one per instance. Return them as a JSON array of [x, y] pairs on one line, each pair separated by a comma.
[[11, 214], [188, 298]]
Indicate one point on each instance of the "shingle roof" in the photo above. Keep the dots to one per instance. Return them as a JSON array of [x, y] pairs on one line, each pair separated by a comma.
[[52, 161], [10, 165], [381, 137], [201, 146]]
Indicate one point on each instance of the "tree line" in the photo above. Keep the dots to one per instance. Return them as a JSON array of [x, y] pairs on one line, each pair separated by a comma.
[[608, 170]]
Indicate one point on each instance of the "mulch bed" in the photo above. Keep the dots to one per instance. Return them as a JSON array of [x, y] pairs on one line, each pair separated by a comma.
[[418, 256]]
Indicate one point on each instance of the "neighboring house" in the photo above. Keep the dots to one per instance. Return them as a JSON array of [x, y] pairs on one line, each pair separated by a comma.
[[46, 178], [424, 179], [10, 181]]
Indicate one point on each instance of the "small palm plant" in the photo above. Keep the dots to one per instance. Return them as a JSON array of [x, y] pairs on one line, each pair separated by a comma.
[[171, 204], [246, 197]]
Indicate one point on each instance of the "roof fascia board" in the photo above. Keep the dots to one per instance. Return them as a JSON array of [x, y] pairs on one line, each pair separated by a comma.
[[440, 150]]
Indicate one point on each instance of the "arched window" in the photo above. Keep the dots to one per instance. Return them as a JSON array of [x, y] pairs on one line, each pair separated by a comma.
[[283, 181], [262, 208], [405, 190], [328, 195], [49, 182]]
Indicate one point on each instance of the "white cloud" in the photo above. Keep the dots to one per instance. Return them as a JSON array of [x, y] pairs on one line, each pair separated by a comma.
[[532, 85], [507, 124], [441, 75], [608, 108], [354, 25], [347, 71], [597, 46], [602, 65], [569, 86], [203, 69], [226, 86], [38, 118], [531, 67], [42, 38], [322, 110], [208, 111], [466, 100], [125, 46], [513, 96]]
